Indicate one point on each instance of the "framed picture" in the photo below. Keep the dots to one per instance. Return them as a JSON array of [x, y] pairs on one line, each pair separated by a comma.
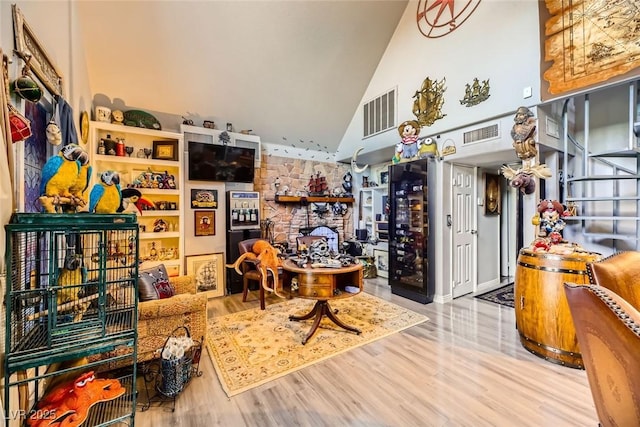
[[381, 258], [384, 178], [204, 199], [204, 223], [165, 150], [381, 175], [208, 272], [492, 194], [28, 47]]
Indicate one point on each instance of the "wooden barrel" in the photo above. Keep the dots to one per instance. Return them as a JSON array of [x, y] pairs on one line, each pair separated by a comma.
[[543, 318]]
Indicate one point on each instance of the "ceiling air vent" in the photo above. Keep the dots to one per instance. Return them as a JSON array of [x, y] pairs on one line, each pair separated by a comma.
[[380, 114], [477, 135]]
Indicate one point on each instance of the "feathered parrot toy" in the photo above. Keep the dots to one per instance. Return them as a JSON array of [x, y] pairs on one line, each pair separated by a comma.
[[63, 179], [133, 202], [105, 196], [81, 183]]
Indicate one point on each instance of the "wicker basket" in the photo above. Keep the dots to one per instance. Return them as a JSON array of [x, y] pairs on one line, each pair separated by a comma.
[[176, 373]]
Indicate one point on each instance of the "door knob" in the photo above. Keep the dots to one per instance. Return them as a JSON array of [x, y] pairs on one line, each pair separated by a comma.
[[474, 231]]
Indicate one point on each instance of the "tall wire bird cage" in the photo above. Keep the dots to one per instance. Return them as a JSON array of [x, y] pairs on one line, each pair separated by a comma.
[[71, 290]]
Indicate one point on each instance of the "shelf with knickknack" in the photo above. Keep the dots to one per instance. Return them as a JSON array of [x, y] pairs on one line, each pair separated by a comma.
[[149, 166], [373, 216]]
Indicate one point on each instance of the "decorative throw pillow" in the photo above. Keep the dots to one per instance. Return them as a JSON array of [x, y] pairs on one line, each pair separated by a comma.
[[153, 283]]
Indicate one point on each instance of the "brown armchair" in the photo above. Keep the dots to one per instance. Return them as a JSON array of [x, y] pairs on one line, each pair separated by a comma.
[[608, 331], [619, 272]]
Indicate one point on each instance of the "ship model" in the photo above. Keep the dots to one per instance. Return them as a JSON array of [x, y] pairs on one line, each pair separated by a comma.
[[318, 185]]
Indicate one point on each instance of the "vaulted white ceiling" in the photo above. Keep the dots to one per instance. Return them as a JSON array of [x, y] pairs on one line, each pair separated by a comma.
[[284, 69]]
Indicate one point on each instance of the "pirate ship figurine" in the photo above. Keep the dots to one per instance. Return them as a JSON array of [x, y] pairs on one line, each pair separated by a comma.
[[317, 185]]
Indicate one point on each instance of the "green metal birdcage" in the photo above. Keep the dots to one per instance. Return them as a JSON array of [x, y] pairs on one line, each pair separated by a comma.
[[71, 293]]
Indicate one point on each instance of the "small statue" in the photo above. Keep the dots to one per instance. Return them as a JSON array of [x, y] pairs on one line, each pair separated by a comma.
[[117, 117], [347, 184], [549, 219], [428, 148], [409, 131], [523, 133]]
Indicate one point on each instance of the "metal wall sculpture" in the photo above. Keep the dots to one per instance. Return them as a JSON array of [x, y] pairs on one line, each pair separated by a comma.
[[429, 100]]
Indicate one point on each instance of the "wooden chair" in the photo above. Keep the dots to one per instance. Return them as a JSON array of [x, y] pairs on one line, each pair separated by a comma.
[[251, 273], [619, 272], [608, 332]]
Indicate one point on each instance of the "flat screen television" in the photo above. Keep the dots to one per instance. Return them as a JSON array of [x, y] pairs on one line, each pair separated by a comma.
[[210, 162]]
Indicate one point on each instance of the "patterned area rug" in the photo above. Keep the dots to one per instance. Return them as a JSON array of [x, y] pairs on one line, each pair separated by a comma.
[[252, 347], [502, 296]]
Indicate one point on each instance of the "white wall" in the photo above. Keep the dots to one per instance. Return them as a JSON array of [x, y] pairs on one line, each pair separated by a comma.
[[499, 42], [56, 26]]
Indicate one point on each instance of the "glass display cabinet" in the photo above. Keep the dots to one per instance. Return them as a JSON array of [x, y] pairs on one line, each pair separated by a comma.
[[411, 240]]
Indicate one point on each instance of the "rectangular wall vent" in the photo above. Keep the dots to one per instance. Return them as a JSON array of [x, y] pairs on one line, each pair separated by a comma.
[[379, 114], [477, 135]]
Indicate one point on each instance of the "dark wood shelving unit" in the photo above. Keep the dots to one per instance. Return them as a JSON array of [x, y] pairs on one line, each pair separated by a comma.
[[312, 199]]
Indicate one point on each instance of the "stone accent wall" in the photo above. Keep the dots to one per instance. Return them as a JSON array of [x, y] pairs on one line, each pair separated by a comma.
[[295, 174]]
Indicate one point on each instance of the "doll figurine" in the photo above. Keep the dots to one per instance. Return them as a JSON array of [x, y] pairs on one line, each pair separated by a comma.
[[409, 131]]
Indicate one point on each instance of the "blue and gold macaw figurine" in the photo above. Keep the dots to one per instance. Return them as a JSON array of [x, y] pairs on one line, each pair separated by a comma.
[[105, 196], [81, 183], [59, 175]]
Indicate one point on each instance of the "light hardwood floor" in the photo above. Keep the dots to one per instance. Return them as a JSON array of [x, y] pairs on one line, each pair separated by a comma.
[[464, 367]]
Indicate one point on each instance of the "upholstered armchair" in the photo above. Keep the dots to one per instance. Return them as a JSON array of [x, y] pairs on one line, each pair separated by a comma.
[[608, 332], [619, 272]]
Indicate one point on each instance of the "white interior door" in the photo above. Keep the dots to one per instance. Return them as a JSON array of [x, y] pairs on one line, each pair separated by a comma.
[[464, 257]]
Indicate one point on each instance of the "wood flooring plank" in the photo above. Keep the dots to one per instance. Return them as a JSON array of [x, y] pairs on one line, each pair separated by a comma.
[[464, 367]]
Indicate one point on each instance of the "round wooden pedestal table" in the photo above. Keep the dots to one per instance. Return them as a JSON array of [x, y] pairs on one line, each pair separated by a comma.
[[323, 285], [543, 318]]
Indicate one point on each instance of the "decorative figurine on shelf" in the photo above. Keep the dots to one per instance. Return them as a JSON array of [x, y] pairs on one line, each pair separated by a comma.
[[60, 180], [117, 117], [409, 131], [133, 202], [318, 185], [141, 119], [105, 196], [428, 148], [224, 138], [160, 226], [523, 133], [347, 184]]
